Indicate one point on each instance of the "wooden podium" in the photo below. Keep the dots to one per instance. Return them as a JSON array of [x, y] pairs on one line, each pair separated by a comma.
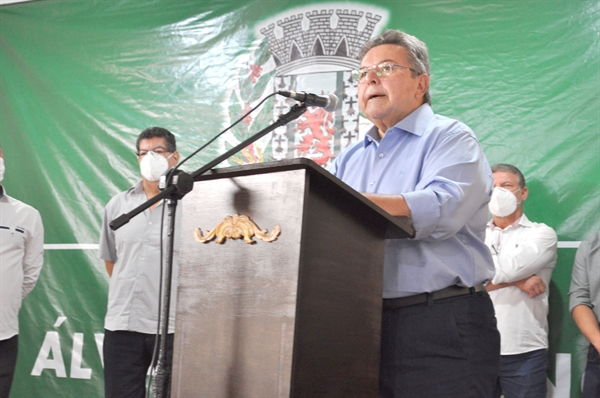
[[299, 316]]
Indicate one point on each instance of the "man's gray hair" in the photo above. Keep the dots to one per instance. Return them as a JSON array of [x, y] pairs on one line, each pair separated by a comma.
[[509, 168], [418, 56]]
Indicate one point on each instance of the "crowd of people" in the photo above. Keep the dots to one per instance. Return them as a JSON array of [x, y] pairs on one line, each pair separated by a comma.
[[465, 301]]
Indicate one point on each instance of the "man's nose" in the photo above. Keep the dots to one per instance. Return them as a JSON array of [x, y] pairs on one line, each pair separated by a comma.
[[372, 75]]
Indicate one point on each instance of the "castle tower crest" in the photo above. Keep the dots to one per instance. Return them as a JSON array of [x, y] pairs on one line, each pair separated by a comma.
[[332, 40]]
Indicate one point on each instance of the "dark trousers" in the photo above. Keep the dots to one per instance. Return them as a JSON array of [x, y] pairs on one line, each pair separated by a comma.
[[8, 360], [523, 375], [127, 357], [591, 378], [447, 348]]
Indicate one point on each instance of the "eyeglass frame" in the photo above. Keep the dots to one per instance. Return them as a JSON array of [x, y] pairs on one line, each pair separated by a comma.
[[378, 69], [161, 150]]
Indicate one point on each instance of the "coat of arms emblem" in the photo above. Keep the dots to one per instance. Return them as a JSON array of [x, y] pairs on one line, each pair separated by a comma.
[[312, 51]]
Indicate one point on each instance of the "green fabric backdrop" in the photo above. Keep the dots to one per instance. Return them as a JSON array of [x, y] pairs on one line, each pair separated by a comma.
[[81, 78]]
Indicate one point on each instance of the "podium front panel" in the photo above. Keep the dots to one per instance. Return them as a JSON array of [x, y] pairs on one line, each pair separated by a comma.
[[299, 316], [237, 301]]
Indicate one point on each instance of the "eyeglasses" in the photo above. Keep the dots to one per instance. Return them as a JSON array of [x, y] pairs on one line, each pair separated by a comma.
[[159, 150], [383, 69]]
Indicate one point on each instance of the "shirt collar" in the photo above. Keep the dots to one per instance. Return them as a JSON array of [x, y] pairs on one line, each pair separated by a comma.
[[371, 136], [522, 221], [415, 123], [137, 189]]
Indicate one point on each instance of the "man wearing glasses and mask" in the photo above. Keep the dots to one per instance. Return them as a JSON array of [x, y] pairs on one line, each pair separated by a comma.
[[439, 336], [132, 255], [524, 254]]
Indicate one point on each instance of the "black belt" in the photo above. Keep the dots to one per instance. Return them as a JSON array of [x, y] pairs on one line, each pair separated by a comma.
[[450, 291]]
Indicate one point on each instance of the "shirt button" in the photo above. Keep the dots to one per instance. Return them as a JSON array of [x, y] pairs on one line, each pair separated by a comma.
[[372, 182], [381, 155]]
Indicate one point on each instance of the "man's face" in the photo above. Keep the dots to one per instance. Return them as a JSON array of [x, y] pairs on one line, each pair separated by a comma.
[[385, 100], [157, 144], [510, 181]]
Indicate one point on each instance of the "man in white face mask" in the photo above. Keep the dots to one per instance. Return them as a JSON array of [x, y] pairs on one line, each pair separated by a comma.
[[21, 259], [132, 255], [524, 255]]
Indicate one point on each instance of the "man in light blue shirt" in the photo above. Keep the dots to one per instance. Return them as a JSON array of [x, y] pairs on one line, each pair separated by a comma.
[[439, 335]]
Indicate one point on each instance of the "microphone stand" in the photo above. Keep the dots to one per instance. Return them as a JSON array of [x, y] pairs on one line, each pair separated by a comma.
[[175, 185]]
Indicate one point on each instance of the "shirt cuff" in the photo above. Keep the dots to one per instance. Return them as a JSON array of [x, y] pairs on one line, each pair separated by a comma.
[[424, 211]]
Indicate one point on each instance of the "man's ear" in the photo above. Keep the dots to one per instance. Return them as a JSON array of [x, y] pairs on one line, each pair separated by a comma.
[[423, 84], [524, 193]]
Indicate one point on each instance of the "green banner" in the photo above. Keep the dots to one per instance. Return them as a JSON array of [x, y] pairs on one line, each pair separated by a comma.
[[80, 79]]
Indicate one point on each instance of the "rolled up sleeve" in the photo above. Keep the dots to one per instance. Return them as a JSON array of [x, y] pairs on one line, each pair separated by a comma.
[[455, 184]]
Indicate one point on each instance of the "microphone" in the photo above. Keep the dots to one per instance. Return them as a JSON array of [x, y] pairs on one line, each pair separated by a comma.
[[329, 103]]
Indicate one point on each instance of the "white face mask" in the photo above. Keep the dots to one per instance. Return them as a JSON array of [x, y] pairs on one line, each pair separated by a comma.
[[154, 165], [2, 168], [503, 202]]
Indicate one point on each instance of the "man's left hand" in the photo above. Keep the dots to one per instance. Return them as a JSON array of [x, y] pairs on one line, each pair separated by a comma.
[[534, 285]]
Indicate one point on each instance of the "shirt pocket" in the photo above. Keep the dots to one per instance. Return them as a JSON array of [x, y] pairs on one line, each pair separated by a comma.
[[11, 238]]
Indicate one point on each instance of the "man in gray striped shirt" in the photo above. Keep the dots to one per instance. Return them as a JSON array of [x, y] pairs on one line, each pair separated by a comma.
[[132, 255], [584, 304]]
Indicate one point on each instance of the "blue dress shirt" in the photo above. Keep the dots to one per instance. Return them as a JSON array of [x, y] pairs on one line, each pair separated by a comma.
[[437, 164]]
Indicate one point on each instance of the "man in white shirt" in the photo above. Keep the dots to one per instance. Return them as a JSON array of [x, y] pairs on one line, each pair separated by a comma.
[[21, 260], [132, 255], [524, 254]]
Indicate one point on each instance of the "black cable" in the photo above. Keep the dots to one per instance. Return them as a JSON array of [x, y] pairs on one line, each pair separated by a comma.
[[154, 360]]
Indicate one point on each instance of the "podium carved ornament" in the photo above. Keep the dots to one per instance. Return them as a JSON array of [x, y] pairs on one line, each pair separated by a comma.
[[237, 227]]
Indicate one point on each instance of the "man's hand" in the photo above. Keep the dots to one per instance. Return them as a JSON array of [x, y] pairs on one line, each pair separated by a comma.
[[109, 267], [534, 285]]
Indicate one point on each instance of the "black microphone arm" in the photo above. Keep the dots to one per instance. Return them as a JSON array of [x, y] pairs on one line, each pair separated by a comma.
[[329, 102]]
